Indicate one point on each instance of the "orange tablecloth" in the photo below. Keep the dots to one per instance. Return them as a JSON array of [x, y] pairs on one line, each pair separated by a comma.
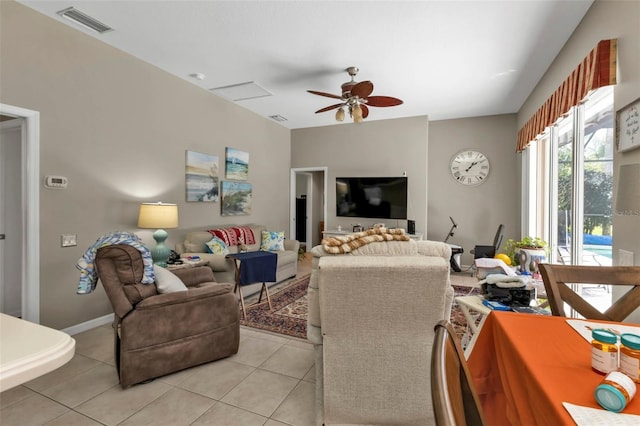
[[525, 366]]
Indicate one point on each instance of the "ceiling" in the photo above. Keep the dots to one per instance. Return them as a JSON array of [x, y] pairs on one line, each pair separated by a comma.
[[444, 59]]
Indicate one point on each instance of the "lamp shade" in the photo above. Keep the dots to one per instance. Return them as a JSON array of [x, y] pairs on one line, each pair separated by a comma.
[[628, 194], [158, 215]]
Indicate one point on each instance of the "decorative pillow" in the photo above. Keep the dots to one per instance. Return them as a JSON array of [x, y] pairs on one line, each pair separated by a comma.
[[272, 241], [167, 281], [217, 246], [244, 235], [227, 235]]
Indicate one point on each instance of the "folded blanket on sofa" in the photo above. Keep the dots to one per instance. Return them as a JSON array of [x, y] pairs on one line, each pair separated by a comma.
[[347, 243]]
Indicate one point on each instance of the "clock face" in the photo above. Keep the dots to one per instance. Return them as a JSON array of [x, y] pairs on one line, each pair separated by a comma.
[[469, 167]]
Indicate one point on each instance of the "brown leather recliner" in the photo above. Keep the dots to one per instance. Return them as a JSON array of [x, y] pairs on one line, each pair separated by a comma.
[[157, 334]]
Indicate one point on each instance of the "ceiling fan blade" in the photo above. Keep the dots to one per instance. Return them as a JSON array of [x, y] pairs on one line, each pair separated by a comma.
[[328, 95], [329, 108], [365, 110], [362, 89], [383, 101]]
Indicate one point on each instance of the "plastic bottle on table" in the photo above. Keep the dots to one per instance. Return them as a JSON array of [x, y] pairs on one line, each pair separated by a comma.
[[604, 351], [630, 356], [615, 391]]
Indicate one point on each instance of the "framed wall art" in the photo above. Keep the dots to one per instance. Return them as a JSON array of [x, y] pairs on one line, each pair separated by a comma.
[[201, 177], [236, 164], [236, 198], [628, 127]]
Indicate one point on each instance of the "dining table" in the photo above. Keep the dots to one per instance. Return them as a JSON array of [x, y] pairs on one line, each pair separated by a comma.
[[29, 350], [525, 366]]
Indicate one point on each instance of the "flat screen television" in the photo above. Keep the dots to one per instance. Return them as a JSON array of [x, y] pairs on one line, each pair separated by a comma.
[[371, 197]]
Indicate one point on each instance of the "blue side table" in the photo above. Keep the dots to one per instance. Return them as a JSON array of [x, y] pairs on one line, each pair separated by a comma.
[[254, 267]]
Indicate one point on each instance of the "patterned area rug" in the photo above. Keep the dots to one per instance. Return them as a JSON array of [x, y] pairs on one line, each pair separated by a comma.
[[289, 313], [458, 320]]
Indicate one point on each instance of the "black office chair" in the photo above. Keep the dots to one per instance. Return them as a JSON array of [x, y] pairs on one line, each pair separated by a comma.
[[489, 251]]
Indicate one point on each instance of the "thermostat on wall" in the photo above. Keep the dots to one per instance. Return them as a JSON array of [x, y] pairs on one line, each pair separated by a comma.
[[56, 182]]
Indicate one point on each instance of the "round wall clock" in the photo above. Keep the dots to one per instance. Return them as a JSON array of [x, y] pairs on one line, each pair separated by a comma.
[[469, 167]]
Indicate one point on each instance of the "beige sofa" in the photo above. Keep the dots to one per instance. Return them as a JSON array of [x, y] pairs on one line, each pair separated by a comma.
[[224, 269], [371, 318]]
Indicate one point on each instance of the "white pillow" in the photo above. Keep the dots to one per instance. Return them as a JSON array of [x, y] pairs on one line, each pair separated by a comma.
[[167, 281]]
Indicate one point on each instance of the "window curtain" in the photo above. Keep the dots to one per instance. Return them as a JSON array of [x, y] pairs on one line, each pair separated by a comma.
[[598, 69]]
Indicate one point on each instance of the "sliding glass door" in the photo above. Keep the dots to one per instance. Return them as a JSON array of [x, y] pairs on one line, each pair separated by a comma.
[[571, 178]]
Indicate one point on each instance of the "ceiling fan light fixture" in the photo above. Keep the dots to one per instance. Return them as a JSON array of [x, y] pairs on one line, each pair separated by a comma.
[[356, 99], [356, 112]]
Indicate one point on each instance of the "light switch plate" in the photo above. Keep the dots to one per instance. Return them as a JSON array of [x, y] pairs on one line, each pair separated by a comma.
[[69, 240], [625, 258]]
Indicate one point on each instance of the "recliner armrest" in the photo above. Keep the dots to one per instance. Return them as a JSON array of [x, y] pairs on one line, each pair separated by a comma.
[[191, 277]]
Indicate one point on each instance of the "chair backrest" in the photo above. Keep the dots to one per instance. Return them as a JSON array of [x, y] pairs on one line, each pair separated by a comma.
[[557, 279], [481, 251], [497, 240], [455, 401], [120, 269]]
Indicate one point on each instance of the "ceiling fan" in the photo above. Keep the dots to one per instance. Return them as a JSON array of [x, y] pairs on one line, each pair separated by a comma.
[[355, 98]]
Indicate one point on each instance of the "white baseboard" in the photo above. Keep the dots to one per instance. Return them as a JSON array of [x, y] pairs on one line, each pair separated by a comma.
[[88, 325]]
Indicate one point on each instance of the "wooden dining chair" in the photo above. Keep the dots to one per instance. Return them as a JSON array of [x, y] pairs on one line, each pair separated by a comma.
[[453, 395], [557, 280]]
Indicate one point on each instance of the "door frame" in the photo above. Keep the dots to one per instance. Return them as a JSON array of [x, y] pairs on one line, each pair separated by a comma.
[[292, 198], [308, 200], [30, 266]]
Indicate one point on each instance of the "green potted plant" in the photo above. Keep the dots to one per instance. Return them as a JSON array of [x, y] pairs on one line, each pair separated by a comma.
[[531, 248], [301, 253]]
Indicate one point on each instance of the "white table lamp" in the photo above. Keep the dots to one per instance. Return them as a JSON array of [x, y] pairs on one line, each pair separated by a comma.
[[159, 215]]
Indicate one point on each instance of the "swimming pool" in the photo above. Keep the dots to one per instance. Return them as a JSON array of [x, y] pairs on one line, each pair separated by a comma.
[[605, 251]]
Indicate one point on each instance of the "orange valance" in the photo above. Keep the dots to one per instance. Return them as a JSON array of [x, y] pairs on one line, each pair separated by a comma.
[[598, 69]]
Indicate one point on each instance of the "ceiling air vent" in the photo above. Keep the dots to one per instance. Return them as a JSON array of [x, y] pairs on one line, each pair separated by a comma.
[[241, 91], [85, 20]]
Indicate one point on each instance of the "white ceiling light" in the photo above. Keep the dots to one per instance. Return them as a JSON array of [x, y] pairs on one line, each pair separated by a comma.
[[81, 18]]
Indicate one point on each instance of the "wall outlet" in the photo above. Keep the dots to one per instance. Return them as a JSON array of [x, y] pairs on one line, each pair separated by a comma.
[[625, 258], [69, 240]]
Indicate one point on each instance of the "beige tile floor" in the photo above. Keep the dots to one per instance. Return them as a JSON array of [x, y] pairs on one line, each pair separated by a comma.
[[269, 382]]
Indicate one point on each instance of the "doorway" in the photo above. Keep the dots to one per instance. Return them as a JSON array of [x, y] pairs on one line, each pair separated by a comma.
[[23, 185], [308, 207]]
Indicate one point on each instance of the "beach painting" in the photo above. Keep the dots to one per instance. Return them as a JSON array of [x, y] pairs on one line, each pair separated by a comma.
[[237, 164], [201, 177], [236, 198]]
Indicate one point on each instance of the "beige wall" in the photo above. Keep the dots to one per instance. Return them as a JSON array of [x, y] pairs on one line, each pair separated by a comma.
[[374, 148], [390, 147], [478, 210], [604, 20], [118, 129]]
